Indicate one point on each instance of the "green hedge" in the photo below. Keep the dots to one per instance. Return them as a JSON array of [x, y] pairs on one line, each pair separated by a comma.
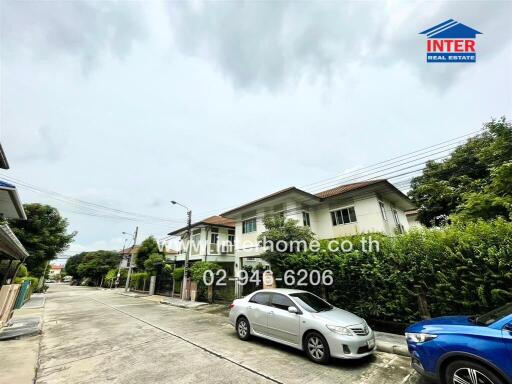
[[460, 269], [137, 280]]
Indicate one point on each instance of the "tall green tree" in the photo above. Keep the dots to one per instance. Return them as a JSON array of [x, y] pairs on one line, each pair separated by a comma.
[[465, 181], [148, 247], [96, 265], [44, 235], [154, 263], [283, 238], [72, 264]]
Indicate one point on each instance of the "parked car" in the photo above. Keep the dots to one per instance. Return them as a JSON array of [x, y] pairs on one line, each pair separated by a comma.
[[304, 321], [464, 349]]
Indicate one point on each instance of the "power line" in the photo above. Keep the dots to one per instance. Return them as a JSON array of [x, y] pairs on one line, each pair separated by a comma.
[[402, 157], [90, 207], [363, 172]]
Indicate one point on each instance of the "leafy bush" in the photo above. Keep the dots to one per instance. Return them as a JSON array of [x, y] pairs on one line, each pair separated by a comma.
[[137, 280], [177, 274], [111, 275], [153, 263], [167, 271], [462, 268], [22, 271], [200, 267]]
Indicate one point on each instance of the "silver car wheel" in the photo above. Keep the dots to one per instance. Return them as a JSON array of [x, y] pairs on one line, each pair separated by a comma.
[[316, 347], [470, 376], [242, 328]]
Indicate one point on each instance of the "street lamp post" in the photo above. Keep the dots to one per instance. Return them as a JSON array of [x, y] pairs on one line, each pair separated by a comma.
[[132, 259], [184, 293], [118, 276]]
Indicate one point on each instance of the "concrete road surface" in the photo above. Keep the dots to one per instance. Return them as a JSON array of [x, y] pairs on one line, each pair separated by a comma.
[[97, 336]]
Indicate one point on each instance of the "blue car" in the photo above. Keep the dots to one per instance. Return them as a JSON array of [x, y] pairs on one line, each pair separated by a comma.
[[464, 349]]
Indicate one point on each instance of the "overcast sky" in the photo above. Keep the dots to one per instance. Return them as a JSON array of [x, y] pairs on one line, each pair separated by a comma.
[[133, 104]]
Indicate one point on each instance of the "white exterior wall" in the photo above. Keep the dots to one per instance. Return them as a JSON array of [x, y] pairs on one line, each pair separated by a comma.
[[368, 214], [389, 224], [368, 218], [205, 236], [413, 222]]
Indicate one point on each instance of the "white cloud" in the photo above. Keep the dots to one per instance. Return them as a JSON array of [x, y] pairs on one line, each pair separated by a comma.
[[272, 44], [215, 104]]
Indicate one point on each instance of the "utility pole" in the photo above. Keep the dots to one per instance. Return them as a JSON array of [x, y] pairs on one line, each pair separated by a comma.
[[187, 256], [184, 293], [120, 262], [132, 259]]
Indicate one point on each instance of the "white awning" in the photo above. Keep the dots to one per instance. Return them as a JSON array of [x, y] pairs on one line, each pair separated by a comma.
[[10, 245], [10, 204]]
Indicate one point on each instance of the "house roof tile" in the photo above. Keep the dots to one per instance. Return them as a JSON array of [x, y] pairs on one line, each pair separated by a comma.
[[340, 189], [212, 220]]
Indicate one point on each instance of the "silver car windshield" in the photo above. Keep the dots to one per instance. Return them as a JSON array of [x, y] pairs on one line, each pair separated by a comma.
[[311, 303]]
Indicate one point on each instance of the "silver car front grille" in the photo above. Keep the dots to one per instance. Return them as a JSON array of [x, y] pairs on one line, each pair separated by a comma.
[[360, 330]]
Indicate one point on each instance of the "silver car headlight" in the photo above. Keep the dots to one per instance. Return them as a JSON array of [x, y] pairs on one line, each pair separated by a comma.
[[419, 337], [340, 330]]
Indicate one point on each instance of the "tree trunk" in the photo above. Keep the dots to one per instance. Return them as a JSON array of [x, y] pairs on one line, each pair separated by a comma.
[[422, 302], [210, 294]]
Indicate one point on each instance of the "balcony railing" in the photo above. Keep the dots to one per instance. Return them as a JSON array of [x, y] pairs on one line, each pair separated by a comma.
[[216, 249]]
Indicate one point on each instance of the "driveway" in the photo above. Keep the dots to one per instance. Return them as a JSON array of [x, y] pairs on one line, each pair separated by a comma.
[[95, 336]]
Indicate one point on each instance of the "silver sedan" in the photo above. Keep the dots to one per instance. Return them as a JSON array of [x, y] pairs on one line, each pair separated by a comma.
[[304, 321]]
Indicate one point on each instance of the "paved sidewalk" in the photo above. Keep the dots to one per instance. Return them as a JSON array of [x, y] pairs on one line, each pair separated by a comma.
[[182, 303], [19, 355], [36, 301]]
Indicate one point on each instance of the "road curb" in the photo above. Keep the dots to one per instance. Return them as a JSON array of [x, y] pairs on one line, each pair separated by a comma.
[[384, 346]]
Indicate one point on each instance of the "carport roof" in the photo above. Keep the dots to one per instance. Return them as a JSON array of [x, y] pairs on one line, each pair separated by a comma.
[[3, 160], [10, 204], [10, 245]]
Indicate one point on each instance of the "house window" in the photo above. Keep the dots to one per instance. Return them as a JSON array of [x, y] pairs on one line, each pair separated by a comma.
[[196, 236], [214, 237], [305, 219], [231, 236], [249, 225], [343, 216], [399, 227], [383, 210], [395, 216]]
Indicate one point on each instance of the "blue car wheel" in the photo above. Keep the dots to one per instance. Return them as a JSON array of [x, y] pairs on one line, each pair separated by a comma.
[[468, 372]]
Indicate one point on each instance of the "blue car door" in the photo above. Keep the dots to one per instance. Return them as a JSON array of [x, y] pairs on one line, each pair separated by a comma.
[[507, 339], [507, 336]]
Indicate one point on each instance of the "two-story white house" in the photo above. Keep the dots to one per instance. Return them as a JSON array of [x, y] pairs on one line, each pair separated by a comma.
[[213, 240], [362, 207], [127, 255]]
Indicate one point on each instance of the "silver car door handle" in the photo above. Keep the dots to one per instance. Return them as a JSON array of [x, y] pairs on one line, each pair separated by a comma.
[[249, 307], [271, 313]]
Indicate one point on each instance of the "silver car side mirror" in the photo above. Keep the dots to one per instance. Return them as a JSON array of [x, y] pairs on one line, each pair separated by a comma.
[[292, 310]]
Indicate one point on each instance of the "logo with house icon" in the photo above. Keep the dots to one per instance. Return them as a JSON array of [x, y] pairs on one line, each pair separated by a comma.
[[451, 42]]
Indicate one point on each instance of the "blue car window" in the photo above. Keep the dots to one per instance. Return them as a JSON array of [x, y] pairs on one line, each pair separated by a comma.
[[495, 315]]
